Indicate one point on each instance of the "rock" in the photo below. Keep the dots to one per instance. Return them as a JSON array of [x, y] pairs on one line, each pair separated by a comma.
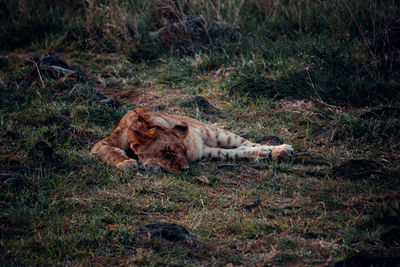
[[270, 140], [168, 231], [201, 103], [85, 91], [382, 113], [250, 207], [326, 133], [356, 169], [203, 179], [368, 260], [158, 108], [53, 67], [391, 237], [110, 102], [243, 133], [53, 60], [42, 151]]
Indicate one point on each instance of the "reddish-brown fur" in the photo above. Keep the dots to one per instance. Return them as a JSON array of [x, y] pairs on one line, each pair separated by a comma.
[[168, 141]]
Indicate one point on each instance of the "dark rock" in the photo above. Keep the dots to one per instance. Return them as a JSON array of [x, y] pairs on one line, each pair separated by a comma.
[[326, 133], [85, 91], [382, 113], [201, 103], [158, 108], [391, 237], [250, 207], [42, 151], [53, 67], [270, 140], [110, 102], [367, 260], [53, 60], [356, 169], [243, 133], [169, 231]]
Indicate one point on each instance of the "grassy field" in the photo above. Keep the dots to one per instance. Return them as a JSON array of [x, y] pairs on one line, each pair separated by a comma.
[[297, 67]]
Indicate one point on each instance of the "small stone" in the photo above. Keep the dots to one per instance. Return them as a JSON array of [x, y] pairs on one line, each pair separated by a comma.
[[158, 108], [203, 179], [42, 151], [242, 133], [110, 102], [326, 133], [169, 231], [201, 103], [250, 207]]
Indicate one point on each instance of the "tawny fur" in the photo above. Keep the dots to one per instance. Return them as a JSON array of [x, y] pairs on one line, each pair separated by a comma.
[[168, 141]]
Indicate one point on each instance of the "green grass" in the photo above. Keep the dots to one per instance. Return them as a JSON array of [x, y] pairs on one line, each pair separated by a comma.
[[71, 209]]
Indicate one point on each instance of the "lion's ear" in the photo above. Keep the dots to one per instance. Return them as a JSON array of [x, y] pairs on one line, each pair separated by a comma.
[[144, 121], [135, 138], [181, 129], [152, 133]]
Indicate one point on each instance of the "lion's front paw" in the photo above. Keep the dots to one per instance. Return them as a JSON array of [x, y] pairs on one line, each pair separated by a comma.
[[127, 165], [282, 152]]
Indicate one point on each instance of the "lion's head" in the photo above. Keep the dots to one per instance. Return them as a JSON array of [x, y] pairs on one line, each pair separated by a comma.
[[159, 147]]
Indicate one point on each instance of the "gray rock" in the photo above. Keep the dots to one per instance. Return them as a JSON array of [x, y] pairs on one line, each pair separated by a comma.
[[327, 134], [201, 103], [168, 231], [250, 207], [243, 133]]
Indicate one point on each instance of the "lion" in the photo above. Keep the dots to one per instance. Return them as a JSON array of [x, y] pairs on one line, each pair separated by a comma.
[[155, 141]]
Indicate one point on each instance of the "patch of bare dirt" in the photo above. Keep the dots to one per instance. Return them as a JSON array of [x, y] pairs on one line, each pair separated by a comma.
[[145, 97]]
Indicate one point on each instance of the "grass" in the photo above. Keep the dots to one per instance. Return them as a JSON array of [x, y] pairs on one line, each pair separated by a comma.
[[68, 208]]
